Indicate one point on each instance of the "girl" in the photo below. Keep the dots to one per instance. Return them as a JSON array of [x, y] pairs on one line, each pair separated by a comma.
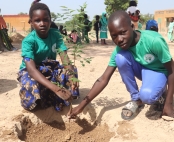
[[103, 29], [40, 75], [170, 30]]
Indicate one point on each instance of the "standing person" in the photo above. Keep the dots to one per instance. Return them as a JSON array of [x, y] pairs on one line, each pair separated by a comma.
[[86, 28], [62, 30], [170, 30], [40, 72], [134, 14], [4, 38], [140, 26], [103, 29], [97, 27], [141, 54]]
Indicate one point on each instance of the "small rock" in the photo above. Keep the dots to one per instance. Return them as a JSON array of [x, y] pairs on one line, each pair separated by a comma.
[[167, 118], [91, 70], [68, 137]]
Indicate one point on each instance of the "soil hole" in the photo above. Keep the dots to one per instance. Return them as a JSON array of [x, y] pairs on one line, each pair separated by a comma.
[[80, 131]]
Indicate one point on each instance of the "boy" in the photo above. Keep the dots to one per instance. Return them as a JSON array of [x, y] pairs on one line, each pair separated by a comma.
[[97, 26], [141, 54]]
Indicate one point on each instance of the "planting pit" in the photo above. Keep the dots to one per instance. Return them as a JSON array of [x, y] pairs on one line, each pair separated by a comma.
[[75, 131]]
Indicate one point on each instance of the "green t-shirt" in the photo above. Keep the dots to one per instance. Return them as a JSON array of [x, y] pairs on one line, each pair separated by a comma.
[[151, 51], [140, 26], [38, 49], [171, 27]]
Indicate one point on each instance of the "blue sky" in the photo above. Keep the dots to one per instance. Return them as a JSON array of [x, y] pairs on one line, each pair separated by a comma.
[[94, 6]]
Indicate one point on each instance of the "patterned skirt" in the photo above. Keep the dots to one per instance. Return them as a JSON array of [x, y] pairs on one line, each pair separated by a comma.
[[32, 93]]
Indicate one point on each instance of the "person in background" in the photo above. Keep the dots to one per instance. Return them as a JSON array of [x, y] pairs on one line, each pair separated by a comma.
[[53, 25], [103, 29], [139, 25], [97, 27], [134, 13], [62, 30], [5, 41], [152, 25], [86, 28], [73, 37], [170, 30]]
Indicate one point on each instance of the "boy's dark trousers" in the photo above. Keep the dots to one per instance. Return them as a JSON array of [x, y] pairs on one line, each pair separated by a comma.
[[96, 32]]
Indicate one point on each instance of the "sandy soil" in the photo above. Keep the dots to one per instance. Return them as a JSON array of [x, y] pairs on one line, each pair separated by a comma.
[[100, 121]]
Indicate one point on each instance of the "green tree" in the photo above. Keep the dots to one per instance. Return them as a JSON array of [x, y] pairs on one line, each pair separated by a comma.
[[112, 5], [54, 16], [75, 21], [145, 17], [22, 13]]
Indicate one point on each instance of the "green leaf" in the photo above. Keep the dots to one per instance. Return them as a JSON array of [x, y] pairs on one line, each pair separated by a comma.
[[63, 6]]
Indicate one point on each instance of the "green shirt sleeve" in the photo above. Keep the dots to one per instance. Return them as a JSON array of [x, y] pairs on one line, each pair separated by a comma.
[[60, 43], [161, 50], [27, 48]]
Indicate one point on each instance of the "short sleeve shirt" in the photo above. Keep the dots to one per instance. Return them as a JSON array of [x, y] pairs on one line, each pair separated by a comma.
[[38, 49], [151, 51], [171, 27]]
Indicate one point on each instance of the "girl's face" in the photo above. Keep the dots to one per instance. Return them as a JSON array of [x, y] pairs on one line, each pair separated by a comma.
[[41, 22]]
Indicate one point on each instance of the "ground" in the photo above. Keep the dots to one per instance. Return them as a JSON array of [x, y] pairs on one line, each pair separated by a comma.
[[99, 122]]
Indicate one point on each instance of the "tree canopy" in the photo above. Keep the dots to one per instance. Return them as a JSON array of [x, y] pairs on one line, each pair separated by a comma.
[[112, 5]]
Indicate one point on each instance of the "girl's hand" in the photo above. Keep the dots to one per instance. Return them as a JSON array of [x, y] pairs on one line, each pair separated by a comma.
[[73, 82], [63, 93]]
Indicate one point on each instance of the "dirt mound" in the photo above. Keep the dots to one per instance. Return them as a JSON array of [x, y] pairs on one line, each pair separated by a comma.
[[75, 131], [17, 38]]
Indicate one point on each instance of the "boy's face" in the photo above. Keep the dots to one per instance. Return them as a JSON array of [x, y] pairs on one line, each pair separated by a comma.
[[121, 33], [41, 22]]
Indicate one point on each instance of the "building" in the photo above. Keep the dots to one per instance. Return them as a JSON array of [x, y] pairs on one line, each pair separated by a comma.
[[18, 23], [162, 17]]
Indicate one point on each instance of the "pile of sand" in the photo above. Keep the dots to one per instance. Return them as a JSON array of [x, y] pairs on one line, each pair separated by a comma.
[[17, 38]]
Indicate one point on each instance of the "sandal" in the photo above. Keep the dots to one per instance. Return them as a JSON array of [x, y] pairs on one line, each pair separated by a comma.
[[159, 105], [133, 108]]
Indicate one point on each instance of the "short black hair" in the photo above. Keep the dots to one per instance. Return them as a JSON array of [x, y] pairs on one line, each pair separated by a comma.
[[39, 6], [85, 16], [119, 14], [97, 17], [153, 28], [132, 3]]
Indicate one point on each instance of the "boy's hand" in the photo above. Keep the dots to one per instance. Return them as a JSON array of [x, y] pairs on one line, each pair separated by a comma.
[[74, 112], [63, 93]]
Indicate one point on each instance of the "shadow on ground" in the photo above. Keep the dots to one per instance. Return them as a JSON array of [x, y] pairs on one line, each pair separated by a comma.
[[7, 85]]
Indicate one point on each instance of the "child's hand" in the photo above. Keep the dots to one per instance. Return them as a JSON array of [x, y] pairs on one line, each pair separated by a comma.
[[63, 93], [74, 112], [74, 83]]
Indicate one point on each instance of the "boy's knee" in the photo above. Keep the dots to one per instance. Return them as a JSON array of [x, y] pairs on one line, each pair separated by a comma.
[[120, 60], [148, 96]]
